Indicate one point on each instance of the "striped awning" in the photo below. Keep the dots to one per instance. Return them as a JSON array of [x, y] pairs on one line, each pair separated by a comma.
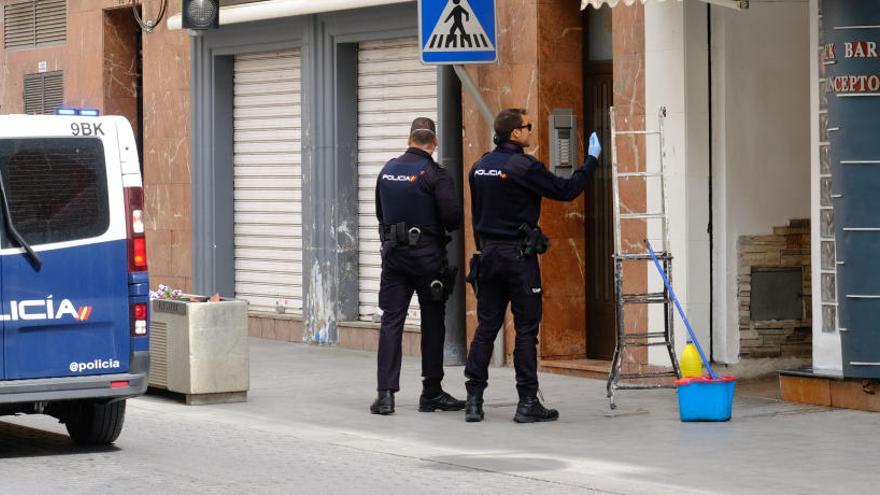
[[596, 4]]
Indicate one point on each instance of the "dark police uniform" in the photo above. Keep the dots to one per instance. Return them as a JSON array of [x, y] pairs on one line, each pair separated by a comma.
[[506, 191], [413, 192]]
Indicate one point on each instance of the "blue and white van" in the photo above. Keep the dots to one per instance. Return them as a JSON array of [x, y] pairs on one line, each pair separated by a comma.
[[73, 271]]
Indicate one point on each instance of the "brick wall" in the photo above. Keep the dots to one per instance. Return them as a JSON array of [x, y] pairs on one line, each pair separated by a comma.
[[787, 247]]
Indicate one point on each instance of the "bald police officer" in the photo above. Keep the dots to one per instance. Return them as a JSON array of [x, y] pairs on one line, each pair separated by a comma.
[[507, 186], [416, 204]]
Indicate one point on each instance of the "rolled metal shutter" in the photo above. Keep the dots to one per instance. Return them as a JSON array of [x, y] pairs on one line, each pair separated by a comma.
[[268, 181], [393, 89]]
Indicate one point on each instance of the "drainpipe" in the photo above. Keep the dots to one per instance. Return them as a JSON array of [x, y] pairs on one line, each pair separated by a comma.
[[711, 197], [450, 158]]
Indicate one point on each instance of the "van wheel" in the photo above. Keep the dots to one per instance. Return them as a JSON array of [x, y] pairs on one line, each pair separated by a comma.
[[94, 423]]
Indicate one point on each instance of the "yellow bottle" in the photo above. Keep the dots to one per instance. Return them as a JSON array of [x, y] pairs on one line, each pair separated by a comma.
[[691, 364]]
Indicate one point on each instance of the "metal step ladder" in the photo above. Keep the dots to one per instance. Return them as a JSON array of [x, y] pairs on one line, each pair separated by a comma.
[[640, 380]]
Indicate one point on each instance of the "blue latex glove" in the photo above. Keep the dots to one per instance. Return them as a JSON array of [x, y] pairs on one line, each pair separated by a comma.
[[595, 149]]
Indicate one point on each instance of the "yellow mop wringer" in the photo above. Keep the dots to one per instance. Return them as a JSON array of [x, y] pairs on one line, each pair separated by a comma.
[[700, 397]]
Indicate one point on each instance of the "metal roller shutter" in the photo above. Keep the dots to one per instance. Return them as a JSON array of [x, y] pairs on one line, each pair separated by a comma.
[[268, 181], [393, 89]]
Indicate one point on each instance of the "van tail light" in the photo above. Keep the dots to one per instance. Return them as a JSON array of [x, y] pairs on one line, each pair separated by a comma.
[[139, 253], [138, 319], [134, 225]]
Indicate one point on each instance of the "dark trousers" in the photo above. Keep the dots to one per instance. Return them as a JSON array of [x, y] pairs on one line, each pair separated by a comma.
[[404, 271], [506, 276]]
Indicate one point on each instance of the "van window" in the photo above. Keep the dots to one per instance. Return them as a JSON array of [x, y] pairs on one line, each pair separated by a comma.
[[56, 188]]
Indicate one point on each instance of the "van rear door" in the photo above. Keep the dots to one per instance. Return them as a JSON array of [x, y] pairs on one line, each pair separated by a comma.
[[69, 314]]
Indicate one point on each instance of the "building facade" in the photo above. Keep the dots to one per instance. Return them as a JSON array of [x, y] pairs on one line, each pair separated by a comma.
[[262, 140]]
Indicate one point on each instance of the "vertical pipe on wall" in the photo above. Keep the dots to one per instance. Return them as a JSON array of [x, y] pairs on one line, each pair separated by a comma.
[[450, 158], [711, 199]]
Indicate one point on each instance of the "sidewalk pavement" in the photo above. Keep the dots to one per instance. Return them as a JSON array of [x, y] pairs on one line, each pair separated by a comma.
[[306, 429], [642, 447]]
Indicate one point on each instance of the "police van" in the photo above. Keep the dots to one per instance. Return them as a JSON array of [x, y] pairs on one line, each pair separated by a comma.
[[73, 271]]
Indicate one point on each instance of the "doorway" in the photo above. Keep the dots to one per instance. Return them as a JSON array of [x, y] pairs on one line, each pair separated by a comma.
[[598, 222]]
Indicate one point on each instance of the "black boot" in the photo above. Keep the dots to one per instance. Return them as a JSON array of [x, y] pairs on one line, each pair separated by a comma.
[[473, 412], [530, 410], [384, 404], [442, 402]]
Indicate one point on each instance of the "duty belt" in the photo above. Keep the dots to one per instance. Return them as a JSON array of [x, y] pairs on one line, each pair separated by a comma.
[[403, 234], [532, 241], [486, 240]]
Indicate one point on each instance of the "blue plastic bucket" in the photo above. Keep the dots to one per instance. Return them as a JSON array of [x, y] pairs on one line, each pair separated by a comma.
[[702, 398]]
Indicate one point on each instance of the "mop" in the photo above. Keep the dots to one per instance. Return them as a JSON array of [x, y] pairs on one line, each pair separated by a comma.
[[684, 317], [699, 398]]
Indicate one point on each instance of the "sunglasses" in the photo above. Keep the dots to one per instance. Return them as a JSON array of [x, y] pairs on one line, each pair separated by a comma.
[[527, 126]]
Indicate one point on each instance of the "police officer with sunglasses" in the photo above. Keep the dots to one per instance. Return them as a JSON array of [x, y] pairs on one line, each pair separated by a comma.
[[507, 187]]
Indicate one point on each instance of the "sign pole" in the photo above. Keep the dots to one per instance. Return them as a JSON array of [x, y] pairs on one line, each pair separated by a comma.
[[456, 32]]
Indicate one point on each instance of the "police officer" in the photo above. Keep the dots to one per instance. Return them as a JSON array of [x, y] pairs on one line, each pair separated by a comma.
[[506, 191], [416, 204]]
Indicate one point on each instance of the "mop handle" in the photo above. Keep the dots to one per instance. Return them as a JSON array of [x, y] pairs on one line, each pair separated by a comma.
[[680, 311]]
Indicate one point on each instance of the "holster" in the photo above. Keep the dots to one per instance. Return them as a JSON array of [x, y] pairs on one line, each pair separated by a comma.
[[449, 278], [473, 271], [534, 240], [443, 286]]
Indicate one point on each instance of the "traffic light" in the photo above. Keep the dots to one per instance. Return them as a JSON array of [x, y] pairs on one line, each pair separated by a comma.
[[201, 14]]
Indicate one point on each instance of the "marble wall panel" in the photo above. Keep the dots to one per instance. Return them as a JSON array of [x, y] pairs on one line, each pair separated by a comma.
[[512, 82], [120, 93], [167, 138], [628, 34], [560, 85]]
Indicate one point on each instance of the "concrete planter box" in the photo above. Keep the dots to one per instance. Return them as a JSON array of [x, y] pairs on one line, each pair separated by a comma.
[[200, 350]]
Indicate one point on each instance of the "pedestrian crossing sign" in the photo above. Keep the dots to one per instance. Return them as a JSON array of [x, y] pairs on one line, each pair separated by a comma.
[[457, 31]]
